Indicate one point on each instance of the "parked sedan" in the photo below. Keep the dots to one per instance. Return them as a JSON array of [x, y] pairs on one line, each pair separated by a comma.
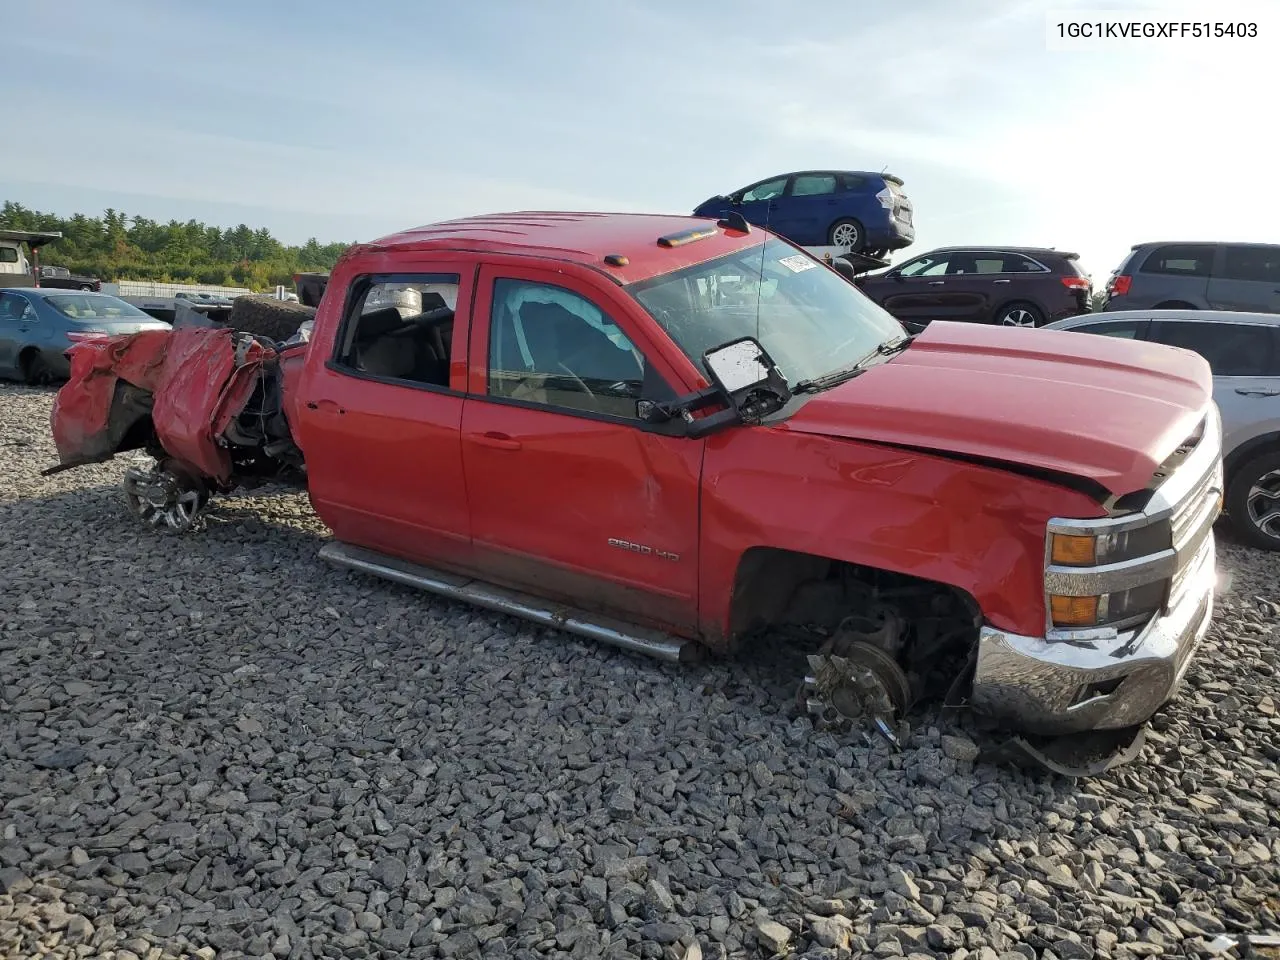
[[38, 326], [1011, 286], [858, 211], [1243, 350]]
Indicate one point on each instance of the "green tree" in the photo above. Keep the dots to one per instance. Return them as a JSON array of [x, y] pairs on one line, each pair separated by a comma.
[[116, 246]]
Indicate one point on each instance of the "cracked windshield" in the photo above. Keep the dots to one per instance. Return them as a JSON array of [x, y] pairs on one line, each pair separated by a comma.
[[808, 317]]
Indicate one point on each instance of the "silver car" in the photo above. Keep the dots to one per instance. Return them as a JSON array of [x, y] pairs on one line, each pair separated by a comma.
[[1243, 350]]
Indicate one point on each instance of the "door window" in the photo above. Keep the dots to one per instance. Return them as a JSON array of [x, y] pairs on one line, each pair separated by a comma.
[[813, 185], [1127, 329], [550, 346], [8, 255], [765, 191], [14, 307], [1257, 263], [1232, 349], [1181, 259], [400, 328], [925, 267]]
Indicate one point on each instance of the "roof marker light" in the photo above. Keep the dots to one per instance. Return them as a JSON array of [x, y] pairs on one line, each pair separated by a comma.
[[616, 260], [686, 236]]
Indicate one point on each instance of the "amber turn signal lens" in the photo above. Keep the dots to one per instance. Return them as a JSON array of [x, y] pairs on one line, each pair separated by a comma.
[[1074, 611], [1073, 551]]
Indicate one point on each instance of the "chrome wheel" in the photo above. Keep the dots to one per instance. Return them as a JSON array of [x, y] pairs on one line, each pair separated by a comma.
[[1263, 503], [165, 499], [846, 235], [1018, 317]]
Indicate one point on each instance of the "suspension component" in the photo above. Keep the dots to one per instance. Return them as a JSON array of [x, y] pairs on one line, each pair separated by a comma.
[[855, 679]]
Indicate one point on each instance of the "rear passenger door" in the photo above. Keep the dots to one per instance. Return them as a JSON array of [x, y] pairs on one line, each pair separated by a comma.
[[17, 316], [382, 411], [1247, 279], [1245, 360], [806, 214], [572, 496]]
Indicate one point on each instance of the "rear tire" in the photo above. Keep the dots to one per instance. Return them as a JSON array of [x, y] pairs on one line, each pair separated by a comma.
[[1253, 492], [1020, 314], [848, 233], [268, 317], [36, 370], [1175, 305], [85, 286]]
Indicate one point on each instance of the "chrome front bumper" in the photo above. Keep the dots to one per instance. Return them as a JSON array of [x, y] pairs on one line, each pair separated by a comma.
[[1052, 687], [1072, 681]]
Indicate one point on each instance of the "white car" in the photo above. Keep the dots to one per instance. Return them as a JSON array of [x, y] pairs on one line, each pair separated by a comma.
[[1243, 350]]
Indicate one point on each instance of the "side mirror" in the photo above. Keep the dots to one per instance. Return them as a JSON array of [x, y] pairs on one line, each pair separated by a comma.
[[894, 275], [746, 375], [738, 365]]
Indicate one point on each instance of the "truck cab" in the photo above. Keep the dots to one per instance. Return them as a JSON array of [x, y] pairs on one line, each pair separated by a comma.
[[677, 435]]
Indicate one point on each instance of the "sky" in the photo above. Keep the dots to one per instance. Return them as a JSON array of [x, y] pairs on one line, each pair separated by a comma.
[[348, 121]]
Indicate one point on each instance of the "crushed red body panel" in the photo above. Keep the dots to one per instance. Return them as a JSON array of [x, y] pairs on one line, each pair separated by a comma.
[[199, 381]]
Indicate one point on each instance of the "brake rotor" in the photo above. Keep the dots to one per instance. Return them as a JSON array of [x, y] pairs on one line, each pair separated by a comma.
[[861, 686]]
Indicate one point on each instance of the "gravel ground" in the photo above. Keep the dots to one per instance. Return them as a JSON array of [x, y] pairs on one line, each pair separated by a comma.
[[221, 746]]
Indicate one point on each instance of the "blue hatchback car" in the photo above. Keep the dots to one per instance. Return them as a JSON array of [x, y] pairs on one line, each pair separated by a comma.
[[862, 212]]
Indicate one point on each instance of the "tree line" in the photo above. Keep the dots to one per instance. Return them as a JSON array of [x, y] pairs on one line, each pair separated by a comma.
[[117, 246]]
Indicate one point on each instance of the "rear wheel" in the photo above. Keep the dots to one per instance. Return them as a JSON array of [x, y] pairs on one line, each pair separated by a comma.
[[1175, 305], [36, 370], [1020, 314], [1253, 501], [847, 233], [85, 286]]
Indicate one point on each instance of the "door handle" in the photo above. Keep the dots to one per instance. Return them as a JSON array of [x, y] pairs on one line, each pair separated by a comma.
[[499, 441], [1257, 392], [936, 283], [327, 405], [999, 281]]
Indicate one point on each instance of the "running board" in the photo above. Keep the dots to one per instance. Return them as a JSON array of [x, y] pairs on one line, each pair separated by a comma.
[[653, 643]]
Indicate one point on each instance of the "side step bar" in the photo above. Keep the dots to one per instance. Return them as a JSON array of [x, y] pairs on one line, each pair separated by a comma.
[[653, 643]]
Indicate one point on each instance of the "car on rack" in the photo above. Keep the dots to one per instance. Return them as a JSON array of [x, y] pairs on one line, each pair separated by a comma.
[[60, 278], [853, 210], [38, 326], [1243, 352], [683, 437], [1007, 286], [1197, 276]]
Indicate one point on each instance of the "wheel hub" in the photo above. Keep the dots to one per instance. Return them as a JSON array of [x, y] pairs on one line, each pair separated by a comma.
[[855, 680], [164, 497]]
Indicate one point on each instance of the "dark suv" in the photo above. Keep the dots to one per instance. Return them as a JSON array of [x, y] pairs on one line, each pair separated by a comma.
[[1201, 276], [1012, 286]]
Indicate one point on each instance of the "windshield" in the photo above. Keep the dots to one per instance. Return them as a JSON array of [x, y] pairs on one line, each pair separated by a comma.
[[80, 307], [810, 319]]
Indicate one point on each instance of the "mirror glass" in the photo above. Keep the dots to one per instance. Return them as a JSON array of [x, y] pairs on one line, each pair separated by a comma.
[[738, 365]]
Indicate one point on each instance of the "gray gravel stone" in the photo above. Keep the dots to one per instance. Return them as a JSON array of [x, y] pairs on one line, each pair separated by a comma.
[[219, 743]]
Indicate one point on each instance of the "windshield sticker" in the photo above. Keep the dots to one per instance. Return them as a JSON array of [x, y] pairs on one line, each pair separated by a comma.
[[798, 262]]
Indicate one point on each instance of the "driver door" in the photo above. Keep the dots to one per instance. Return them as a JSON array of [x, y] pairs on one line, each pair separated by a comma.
[[571, 495]]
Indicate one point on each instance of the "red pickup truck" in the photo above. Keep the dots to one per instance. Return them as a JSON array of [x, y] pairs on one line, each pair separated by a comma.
[[673, 434]]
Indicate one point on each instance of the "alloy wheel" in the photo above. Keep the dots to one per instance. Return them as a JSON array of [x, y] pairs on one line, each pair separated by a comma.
[[845, 235], [1018, 317], [1263, 503]]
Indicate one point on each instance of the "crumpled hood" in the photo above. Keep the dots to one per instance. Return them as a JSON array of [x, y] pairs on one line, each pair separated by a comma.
[[1099, 407]]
